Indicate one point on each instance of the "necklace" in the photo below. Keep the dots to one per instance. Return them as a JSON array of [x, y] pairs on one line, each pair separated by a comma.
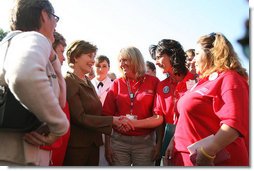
[[131, 94]]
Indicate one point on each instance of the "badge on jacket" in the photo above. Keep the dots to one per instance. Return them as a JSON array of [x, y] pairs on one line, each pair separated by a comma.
[[166, 89]]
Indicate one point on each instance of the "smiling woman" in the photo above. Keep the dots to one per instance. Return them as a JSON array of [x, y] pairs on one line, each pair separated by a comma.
[[131, 96], [80, 55], [87, 124], [111, 32]]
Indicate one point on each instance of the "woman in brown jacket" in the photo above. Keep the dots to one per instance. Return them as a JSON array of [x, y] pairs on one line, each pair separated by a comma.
[[87, 124]]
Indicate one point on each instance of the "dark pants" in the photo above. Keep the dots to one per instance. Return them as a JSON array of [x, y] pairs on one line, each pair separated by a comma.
[[82, 156], [169, 133]]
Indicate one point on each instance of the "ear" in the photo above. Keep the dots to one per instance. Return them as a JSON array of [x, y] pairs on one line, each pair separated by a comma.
[[75, 59], [44, 16]]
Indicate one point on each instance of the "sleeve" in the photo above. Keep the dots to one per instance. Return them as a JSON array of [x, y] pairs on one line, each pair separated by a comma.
[[57, 68], [232, 105], [109, 106], [27, 78], [80, 117], [157, 105]]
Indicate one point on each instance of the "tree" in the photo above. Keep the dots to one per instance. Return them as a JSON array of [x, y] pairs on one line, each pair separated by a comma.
[[2, 34]]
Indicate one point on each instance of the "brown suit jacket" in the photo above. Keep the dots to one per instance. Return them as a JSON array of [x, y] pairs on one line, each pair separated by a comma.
[[87, 124]]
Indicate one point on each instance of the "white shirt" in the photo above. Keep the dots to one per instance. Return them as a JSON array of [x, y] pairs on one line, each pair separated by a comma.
[[102, 90]]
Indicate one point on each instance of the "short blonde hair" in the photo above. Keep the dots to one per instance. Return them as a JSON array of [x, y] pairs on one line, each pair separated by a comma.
[[137, 62], [220, 55]]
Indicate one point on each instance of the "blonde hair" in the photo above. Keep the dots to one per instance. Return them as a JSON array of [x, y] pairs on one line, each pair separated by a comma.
[[220, 55], [137, 62]]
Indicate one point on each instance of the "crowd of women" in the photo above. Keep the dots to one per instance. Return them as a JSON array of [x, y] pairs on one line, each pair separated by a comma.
[[197, 116]]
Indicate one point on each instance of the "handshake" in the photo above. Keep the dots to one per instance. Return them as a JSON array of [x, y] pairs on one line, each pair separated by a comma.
[[123, 124]]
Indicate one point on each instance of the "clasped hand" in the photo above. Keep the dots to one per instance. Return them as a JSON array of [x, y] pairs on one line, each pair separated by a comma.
[[123, 124], [199, 159]]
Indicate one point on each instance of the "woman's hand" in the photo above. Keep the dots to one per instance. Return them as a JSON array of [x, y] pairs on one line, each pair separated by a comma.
[[202, 158], [169, 153], [38, 139], [123, 124], [108, 151], [156, 151]]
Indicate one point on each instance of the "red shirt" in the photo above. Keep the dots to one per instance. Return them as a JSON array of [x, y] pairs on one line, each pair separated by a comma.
[[118, 102], [217, 100], [168, 92], [60, 145]]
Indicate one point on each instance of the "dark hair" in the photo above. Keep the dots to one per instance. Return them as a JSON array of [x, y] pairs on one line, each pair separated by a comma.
[[26, 14], [77, 48], [192, 51], [150, 65], [173, 49], [59, 39], [102, 58]]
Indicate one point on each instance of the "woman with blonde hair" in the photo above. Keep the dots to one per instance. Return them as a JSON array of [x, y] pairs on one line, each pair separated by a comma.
[[131, 96], [216, 108]]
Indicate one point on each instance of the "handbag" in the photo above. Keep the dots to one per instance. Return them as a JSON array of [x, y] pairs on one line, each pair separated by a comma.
[[13, 115]]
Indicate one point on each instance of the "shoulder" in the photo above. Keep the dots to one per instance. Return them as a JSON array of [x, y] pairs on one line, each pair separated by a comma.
[[152, 78], [227, 80], [72, 85], [189, 76], [36, 43], [164, 82], [70, 80], [119, 80], [32, 36], [232, 77], [108, 80], [117, 83]]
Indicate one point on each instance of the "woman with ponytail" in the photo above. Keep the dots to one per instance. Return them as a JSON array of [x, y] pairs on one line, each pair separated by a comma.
[[216, 107]]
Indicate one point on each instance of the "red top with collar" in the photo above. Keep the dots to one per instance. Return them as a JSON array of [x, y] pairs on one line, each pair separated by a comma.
[[118, 103], [168, 92], [216, 100]]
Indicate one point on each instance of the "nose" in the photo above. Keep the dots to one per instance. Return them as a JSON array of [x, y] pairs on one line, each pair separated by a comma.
[[121, 63]]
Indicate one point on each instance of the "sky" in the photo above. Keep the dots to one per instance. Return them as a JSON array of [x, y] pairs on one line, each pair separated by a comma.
[[115, 24]]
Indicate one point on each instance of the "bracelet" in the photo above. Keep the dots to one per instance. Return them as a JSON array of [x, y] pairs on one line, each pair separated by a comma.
[[205, 154]]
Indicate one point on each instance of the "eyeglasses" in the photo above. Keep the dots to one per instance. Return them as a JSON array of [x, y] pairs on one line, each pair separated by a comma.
[[55, 16]]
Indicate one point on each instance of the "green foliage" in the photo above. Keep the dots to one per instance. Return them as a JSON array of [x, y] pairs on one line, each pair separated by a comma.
[[2, 34]]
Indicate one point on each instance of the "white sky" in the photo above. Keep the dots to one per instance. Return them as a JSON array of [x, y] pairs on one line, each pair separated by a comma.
[[114, 24]]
